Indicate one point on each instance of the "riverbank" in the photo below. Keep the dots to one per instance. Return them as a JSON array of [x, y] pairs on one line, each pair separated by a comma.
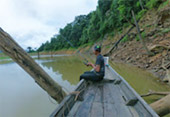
[[3, 56], [156, 34], [59, 52]]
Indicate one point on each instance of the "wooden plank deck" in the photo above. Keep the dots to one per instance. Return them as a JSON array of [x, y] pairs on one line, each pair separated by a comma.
[[112, 97]]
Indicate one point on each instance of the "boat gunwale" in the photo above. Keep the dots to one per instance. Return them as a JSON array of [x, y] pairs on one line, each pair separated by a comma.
[[80, 84], [145, 105], [66, 99]]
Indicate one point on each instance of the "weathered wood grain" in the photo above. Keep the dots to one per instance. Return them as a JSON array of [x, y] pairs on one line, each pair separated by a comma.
[[110, 110], [68, 102], [137, 106], [141, 103], [105, 99], [74, 109], [97, 110], [119, 103], [107, 96], [99, 94], [85, 108]]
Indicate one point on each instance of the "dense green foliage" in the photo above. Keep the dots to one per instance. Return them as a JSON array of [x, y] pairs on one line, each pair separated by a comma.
[[109, 17]]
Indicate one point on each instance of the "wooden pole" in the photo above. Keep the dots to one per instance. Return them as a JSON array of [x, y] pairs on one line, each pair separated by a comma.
[[162, 106], [51, 54], [116, 44], [38, 53], [138, 30], [13, 50], [140, 1]]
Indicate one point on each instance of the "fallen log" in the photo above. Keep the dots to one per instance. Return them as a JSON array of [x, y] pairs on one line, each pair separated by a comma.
[[122, 37], [116, 44], [13, 50], [150, 93], [162, 106]]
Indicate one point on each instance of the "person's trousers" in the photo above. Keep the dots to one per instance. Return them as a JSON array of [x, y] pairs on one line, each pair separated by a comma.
[[92, 76]]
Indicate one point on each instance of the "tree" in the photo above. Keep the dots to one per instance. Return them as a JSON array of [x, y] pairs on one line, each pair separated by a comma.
[[110, 16], [30, 49], [138, 30]]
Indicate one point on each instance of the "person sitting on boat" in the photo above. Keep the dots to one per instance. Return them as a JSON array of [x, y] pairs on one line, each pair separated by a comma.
[[99, 69]]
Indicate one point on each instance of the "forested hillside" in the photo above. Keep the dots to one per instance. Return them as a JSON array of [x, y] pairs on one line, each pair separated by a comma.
[[110, 17]]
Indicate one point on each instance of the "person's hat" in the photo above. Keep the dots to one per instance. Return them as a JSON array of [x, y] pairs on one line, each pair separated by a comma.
[[97, 48]]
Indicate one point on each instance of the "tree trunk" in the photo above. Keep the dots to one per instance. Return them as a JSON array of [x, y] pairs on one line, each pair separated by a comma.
[[13, 50], [162, 106], [116, 43], [51, 54], [138, 30], [140, 1], [38, 54]]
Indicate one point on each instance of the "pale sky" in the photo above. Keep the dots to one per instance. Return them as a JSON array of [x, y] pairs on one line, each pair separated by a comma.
[[33, 22]]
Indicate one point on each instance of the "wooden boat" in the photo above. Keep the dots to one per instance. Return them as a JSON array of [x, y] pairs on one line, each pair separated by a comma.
[[112, 97]]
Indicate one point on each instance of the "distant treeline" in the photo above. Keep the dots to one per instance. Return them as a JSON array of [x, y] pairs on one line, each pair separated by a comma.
[[110, 16]]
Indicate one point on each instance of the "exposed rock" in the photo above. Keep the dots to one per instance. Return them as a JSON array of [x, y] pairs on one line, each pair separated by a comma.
[[128, 58], [158, 48], [137, 57], [154, 58], [164, 16], [147, 66], [167, 77], [165, 42]]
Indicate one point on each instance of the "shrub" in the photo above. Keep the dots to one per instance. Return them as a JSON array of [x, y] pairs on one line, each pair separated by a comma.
[[153, 4]]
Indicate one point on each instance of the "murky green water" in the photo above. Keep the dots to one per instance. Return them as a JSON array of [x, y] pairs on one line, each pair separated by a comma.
[[142, 81], [20, 96], [70, 68]]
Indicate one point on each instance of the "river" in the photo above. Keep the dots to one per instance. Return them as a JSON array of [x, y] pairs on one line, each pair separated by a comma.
[[20, 96]]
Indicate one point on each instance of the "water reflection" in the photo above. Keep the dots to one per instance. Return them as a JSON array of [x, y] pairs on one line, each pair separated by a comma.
[[20, 96], [71, 67]]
